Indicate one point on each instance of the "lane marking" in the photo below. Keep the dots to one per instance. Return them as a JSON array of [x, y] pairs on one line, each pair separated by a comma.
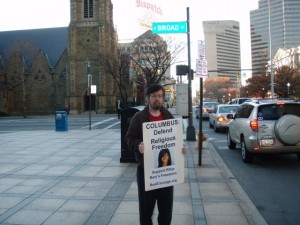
[[112, 125], [98, 123]]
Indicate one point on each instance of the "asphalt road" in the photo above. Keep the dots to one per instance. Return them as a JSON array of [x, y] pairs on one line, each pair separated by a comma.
[[271, 181], [48, 123]]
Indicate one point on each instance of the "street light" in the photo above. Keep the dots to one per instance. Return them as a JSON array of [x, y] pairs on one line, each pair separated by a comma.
[[190, 132], [270, 53], [88, 69], [53, 87], [24, 78]]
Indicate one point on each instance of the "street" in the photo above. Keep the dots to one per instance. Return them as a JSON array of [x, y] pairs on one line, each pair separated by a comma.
[[271, 181], [48, 122]]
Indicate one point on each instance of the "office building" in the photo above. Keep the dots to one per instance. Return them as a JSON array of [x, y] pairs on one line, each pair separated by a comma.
[[222, 50], [284, 30]]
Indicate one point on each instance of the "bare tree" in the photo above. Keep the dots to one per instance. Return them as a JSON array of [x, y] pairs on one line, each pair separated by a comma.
[[216, 88], [18, 57], [152, 56], [117, 65], [149, 59]]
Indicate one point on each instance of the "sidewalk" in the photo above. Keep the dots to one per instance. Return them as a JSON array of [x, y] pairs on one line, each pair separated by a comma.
[[76, 178]]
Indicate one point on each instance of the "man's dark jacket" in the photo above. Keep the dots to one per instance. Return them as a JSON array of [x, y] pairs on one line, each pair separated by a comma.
[[134, 135]]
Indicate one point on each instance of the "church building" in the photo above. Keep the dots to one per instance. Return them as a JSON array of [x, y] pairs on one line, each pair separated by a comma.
[[44, 70]]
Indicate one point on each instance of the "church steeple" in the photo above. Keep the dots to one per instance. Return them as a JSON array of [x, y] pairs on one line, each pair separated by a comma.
[[91, 32]]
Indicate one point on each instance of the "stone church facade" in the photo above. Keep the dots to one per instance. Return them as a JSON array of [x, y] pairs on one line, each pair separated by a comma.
[[39, 85]]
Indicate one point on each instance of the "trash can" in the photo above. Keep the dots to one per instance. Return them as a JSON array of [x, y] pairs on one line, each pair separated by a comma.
[[127, 155], [61, 121]]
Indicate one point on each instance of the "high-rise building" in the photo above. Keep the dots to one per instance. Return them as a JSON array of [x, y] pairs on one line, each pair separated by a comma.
[[284, 32], [222, 51]]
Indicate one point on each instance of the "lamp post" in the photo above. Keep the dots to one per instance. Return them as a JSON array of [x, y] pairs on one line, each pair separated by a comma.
[[88, 64], [288, 89], [190, 133], [270, 53], [53, 87], [24, 74]]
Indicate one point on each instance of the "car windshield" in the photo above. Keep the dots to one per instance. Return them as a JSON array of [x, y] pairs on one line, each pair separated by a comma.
[[210, 104], [273, 112], [228, 109]]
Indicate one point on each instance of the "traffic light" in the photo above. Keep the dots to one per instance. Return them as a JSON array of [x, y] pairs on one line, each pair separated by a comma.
[[182, 70]]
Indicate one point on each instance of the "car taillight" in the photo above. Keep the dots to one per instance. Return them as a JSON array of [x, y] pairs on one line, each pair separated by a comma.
[[254, 125], [221, 119], [280, 103]]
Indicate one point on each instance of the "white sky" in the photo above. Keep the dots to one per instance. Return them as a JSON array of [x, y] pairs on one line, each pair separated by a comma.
[[32, 14]]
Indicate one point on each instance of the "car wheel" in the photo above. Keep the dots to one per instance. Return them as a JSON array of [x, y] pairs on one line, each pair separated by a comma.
[[230, 143], [287, 129], [247, 156]]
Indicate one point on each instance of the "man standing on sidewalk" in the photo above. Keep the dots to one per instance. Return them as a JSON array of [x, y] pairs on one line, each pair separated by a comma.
[[119, 107], [154, 111]]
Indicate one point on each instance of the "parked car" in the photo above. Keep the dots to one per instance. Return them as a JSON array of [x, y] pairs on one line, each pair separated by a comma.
[[206, 109], [239, 101], [265, 126], [218, 117]]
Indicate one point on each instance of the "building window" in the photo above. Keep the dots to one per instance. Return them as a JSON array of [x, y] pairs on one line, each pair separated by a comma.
[[62, 75], [39, 76], [88, 9]]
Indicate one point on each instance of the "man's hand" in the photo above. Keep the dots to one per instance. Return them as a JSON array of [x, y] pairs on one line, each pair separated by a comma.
[[141, 147]]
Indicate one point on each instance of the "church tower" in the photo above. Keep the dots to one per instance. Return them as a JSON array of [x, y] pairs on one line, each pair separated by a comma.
[[91, 32]]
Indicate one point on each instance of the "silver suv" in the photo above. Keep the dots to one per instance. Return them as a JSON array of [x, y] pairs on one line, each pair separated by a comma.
[[265, 126]]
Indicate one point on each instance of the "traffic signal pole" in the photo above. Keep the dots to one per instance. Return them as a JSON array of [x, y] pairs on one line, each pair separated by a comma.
[[190, 132]]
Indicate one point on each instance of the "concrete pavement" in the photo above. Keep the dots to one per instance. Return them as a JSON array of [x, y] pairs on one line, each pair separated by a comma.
[[76, 178]]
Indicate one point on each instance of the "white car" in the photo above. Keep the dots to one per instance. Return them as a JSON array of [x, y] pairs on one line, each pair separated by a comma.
[[240, 101], [218, 117], [265, 126], [206, 109]]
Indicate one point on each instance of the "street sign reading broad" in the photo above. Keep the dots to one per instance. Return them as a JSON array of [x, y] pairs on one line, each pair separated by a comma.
[[169, 27]]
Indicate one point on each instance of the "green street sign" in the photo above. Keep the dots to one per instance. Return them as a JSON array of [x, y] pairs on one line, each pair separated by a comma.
[[169, 27]]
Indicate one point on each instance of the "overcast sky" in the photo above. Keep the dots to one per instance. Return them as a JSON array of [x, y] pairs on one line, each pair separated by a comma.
[[31, 14]]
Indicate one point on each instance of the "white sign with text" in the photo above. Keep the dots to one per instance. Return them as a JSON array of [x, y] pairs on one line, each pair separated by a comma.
[[163, 158]]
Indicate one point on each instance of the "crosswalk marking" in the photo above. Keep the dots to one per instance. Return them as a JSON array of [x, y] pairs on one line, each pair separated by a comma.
[[98, 123]]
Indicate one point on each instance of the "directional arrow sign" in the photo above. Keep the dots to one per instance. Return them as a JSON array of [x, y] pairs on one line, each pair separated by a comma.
[[169, 27]]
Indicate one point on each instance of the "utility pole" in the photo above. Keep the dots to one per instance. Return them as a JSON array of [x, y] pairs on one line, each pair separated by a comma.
[[23, 87], [90, 93], [190, 133]]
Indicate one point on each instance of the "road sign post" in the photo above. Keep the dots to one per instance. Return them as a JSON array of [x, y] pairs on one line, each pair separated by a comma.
[[181, 27]]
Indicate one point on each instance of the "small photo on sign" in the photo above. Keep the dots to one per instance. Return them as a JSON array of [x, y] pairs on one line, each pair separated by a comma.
[[164, 158]]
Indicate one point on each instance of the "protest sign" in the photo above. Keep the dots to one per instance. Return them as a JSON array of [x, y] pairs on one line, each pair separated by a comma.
[[163, 158]]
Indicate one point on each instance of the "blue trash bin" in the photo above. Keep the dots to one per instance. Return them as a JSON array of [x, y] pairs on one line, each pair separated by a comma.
[[61, 121]]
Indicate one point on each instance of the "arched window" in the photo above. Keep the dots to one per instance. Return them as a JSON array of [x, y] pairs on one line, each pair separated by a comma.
[[88, 9]]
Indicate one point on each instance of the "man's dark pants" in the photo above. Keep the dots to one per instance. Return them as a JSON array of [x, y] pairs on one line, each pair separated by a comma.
[[147, 200]]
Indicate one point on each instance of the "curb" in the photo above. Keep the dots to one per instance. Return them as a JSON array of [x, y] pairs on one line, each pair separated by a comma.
[[249, 209]]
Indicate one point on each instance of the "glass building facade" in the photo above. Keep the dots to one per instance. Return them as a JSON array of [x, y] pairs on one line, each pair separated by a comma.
[[223, 53], [284, 32]]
